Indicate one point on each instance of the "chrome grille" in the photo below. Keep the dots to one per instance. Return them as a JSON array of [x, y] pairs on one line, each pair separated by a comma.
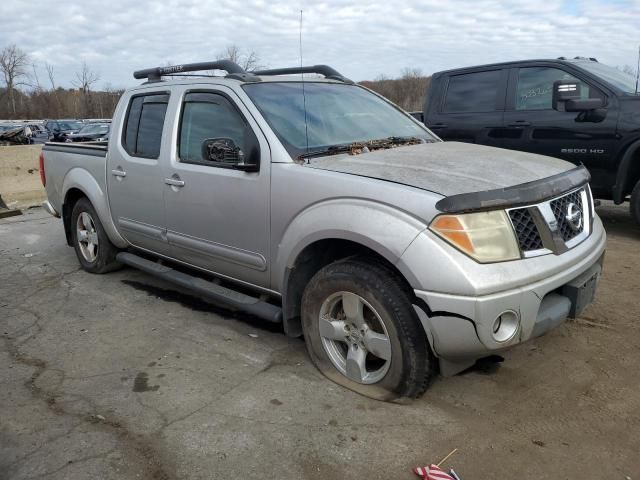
[[526, 230], [560, 206], [553, 226]]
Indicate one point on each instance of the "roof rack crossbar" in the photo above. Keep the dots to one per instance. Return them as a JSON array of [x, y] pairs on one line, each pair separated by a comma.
[[154, 74], [325, 70]]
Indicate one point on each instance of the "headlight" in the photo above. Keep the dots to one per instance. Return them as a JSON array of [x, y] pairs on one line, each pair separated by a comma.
[[484, 236]]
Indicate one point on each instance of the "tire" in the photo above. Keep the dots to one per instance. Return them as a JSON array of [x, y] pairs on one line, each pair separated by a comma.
[[400, 366], [95, 251], [634, 206]]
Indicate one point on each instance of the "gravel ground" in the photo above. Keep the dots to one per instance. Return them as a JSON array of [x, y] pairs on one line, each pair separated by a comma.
[[118, 376]]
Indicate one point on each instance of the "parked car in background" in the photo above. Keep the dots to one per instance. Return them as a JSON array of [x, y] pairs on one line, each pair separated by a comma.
[[511, 105], [59, 129], [8, 126], [342, 218], [90, 132]]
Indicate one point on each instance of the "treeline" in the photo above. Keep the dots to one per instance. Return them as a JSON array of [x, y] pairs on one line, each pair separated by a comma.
[[24, 96], [59, 103], [408, 91]]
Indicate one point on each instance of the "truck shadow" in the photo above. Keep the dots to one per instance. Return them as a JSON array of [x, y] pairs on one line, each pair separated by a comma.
[[617, 220], [174, 294]]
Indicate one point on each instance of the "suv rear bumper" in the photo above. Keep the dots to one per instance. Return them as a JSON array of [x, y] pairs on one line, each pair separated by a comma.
[[461, 328]]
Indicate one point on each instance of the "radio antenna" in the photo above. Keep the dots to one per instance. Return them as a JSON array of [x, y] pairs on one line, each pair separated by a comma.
[[638, 70], [304, 97]]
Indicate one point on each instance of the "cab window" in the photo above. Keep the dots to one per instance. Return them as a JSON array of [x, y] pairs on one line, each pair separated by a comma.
[[208, 116], [535, 87]]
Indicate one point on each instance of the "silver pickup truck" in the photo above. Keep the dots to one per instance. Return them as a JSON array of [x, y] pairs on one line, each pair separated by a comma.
[[315, 203]]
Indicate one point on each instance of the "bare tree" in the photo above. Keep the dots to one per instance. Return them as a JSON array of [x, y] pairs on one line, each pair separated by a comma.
[[85, 79], [248, 61], [51, 76], [411, 73], [13, 63], [36, 79]]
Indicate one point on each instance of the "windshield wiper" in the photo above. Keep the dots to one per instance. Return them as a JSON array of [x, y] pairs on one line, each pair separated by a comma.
[[332, 150]]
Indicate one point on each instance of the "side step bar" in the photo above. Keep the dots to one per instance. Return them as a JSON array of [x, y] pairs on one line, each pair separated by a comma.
[[209, 290]]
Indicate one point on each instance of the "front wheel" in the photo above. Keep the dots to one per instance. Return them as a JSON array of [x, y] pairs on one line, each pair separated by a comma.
[[361, 331], [95, 251]]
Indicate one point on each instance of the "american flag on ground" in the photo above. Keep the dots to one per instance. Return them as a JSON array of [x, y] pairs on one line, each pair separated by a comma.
[[432, 472]]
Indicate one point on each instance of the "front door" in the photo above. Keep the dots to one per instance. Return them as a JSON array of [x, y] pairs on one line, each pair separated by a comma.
[[472, 108], [135, 174], [218, 216], [533, 126]]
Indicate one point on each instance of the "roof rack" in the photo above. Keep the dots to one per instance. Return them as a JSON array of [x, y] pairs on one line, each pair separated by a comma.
[[155, 74], [325, 70], [235, 71]]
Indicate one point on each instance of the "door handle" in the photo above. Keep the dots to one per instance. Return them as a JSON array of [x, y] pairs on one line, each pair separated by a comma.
[[174, 181], [118, 172], [438, 125], [520, 123]]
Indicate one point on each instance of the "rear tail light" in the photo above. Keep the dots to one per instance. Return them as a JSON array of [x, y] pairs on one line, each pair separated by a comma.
[[43, 175]]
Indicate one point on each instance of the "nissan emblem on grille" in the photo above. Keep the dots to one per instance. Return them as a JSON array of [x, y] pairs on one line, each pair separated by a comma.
[[574, 217], [552, 225]]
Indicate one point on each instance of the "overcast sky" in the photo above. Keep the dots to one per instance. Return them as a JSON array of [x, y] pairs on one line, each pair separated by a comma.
[[360, 39]]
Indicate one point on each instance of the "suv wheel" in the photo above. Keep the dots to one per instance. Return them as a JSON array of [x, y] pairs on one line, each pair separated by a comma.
[[361, 331], [95, 251], [635, 203]]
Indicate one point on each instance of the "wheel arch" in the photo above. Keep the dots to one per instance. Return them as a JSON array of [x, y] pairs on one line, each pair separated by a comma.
[[628, 172], [79, 183], [335, 230]]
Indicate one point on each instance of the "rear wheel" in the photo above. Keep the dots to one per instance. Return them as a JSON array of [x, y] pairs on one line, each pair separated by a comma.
[[95, 251], [361, 331], [635, 203]]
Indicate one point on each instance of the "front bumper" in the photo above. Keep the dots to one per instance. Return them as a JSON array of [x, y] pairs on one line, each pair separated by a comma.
[[461, 328]]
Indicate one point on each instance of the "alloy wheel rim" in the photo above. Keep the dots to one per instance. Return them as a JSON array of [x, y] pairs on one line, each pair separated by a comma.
[[355, 338], [87, 237]]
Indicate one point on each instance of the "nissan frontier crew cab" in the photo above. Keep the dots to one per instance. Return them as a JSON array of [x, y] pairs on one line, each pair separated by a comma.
[[306, 200]]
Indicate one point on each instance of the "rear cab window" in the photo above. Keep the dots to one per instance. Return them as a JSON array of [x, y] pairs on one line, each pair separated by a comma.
[[475, 92], [142, 134]]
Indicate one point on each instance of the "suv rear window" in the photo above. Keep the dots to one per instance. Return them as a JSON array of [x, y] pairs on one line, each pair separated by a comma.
[[472, 92], [143, 127]]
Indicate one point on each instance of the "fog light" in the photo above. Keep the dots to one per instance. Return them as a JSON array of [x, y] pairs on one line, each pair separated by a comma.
[[505, 326]]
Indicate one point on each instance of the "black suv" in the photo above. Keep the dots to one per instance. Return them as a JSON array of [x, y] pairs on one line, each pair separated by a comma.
[[578, 110]]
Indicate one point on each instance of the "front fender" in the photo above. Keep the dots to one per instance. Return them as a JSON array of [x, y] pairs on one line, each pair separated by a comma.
[[82, 180], [384, 229]]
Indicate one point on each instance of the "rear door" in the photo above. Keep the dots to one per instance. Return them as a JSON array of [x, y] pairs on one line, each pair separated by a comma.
[[217, 216], [471, 108], [533, 126], [135, 175]]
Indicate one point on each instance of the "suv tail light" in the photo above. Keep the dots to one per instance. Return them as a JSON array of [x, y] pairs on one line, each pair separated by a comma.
[[43, 175]]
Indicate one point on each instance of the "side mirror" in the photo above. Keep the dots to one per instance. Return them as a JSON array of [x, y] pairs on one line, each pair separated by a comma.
[[225, 151], [567, 98]]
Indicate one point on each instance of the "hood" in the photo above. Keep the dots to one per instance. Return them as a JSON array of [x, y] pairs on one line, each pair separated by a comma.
[[447, 168]]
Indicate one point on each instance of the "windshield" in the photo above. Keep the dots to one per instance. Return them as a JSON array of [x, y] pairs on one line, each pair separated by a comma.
[[617, 78], [102, 129], [336, 114], [69, 125]]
